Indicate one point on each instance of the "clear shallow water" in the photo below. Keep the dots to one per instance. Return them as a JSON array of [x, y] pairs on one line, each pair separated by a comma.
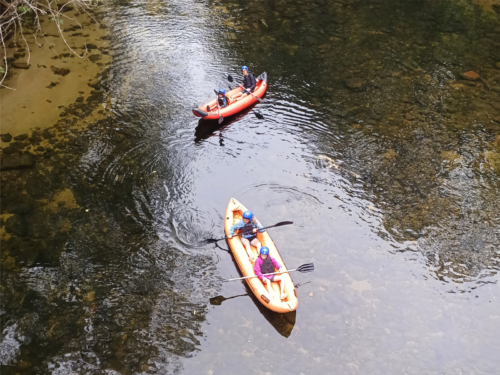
[[387, 168]]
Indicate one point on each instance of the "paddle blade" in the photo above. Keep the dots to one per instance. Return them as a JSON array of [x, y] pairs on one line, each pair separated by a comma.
[[259, 115], [308, 267], [221, 119], [210, 240], [217, 301], [230, 78], [216, 92], [283, 223]]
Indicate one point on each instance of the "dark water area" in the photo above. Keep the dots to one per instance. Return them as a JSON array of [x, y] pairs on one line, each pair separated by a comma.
[[373, 142]]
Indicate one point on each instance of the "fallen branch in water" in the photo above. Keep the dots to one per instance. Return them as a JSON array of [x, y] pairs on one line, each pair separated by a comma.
[[15, 13]]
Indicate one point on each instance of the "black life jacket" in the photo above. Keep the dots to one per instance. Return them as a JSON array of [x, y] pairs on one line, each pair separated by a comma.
[[247, 230], [267, 266], [224, 101]]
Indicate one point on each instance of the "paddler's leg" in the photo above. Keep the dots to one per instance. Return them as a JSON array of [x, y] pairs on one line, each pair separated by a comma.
[[281, 279], [256, 243], [246, 245], [267, 284]]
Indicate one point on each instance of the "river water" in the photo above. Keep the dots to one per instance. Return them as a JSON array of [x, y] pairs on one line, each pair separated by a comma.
[[385, 159]]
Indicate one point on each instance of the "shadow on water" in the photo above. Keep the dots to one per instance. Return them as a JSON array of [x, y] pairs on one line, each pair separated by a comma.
[[282, 323]]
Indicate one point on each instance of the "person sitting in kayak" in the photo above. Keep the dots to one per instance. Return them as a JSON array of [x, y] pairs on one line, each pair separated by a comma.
[[223, 99], [248, 227], [266, 264], [249, 82]]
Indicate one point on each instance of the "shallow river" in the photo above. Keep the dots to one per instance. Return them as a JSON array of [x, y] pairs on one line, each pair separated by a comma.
[[385, 159]]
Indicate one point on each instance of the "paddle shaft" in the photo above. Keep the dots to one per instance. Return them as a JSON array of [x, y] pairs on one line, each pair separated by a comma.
[[265, 274], [218, 109], [251, 93], [257, 229]]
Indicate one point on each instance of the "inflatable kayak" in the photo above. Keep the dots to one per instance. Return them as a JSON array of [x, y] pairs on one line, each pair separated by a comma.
[[234, 213], [209, 111]]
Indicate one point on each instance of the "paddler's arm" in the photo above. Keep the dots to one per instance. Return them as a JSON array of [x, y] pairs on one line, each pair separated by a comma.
[[275, 264], [256, 268], [237, 225]]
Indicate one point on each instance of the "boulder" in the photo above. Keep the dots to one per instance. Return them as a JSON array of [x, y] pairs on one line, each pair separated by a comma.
[[21, 137], [16, 224], [470, 75], [6, 137], [21, 65], [16, 161]]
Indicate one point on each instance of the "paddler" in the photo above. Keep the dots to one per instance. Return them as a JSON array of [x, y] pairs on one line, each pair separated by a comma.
[[223, 99], [248, 227], [249, 82], [266, 264]]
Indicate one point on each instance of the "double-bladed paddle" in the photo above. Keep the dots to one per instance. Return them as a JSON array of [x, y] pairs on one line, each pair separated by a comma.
[[213, 240], [230, 79], [308, 267]]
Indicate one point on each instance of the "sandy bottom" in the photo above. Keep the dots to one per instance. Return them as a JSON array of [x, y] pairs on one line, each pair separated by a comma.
[[39, 94]]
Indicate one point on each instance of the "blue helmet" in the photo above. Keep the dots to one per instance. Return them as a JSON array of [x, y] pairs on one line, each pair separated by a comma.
[[222, 91], [244, 67], [247, 215], [264, 250]]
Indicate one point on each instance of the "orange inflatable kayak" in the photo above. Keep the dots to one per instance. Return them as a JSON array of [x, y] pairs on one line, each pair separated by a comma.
[[234, 213], [209, 111]]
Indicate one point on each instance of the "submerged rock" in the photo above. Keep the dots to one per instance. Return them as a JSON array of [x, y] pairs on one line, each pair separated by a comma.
[[60, 71], [16, 224], [10, 150], [354, 84], [21, 137], [17, 161], [19, 208], [95, 58], [6, 137], [470, 75], [497, 65], [8, 264], [21, 65]]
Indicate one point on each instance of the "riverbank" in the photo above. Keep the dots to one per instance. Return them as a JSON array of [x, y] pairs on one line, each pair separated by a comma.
[[47, 80]]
